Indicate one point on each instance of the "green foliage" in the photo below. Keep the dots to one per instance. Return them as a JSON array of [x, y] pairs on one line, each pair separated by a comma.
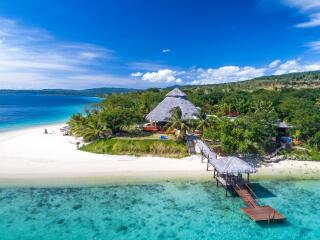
[[315, 140], [302, 154], [260, 103], [114, 114], [116, 146]]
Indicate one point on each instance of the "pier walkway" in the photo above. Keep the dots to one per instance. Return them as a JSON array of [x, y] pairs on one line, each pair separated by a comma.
[[228, 172], [254, 210]]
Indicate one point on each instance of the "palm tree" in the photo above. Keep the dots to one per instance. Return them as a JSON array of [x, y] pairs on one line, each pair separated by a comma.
[[91, 127], [177, 122], [261, 105], [95, 129], [202, 122], [77, 123]]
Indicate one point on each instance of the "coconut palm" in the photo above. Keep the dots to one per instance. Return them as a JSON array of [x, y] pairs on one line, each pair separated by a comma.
[[261, 105], [201, 122], [77, 123], [95, 129], [177, 122]]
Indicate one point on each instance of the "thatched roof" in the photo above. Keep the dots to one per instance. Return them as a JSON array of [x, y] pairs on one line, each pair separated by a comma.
[[225, 165], [234, 165], [175, 98], [176, 93]]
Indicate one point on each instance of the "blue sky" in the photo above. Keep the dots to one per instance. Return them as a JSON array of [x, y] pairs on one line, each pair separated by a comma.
[[142, 43]]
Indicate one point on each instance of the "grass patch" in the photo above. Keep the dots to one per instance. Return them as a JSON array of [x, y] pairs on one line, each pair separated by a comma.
[[141, 147]]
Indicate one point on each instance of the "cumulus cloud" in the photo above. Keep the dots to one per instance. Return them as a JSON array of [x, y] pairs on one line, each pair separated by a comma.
[[203, 76], [309, 7], [293, 66], [164, 75], [225, 74]]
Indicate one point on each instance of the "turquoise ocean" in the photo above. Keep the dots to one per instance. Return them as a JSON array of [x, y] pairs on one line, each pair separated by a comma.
[[168, 210], [184, 210], [27, 110]]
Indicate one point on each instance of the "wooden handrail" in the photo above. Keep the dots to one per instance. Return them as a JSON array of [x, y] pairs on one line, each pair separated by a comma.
[[252, 192]]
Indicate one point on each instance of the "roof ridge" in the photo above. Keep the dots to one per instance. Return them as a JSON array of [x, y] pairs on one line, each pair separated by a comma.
[[176, 93]]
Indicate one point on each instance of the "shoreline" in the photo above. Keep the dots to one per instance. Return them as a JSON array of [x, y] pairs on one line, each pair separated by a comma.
[[30, 158]]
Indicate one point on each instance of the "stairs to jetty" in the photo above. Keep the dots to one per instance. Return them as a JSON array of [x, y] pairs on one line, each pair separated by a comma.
[[273, 154], [190, 145]]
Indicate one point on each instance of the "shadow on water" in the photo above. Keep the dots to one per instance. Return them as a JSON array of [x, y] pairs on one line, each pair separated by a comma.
[[258, 189], [278, 224], [261, 191]]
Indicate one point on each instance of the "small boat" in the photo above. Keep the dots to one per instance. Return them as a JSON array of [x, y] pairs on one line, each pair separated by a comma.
[[151, 127]]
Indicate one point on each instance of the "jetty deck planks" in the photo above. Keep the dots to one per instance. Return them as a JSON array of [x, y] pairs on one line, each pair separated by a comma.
[[263, 213]]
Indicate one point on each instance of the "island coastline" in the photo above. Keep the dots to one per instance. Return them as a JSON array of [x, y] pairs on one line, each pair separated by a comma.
[[31, 158]]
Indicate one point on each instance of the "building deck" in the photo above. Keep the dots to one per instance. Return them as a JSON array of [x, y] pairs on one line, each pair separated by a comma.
[[263, 213]]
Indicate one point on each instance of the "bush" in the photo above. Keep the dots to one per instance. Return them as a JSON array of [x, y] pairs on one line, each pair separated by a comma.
[[315, 140]]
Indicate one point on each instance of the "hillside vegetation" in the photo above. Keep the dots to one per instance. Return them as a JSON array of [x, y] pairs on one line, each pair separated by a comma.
[[257, 104], [291, 80]]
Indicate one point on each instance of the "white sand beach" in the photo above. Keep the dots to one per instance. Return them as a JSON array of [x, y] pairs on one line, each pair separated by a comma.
[[29, 156]]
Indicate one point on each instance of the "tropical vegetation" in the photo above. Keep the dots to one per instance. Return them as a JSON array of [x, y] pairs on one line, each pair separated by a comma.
[[238, 118]]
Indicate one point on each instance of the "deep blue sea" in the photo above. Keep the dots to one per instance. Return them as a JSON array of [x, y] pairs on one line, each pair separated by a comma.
[[25, 110], [185, 210]]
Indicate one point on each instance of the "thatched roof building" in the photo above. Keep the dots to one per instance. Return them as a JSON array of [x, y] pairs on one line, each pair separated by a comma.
[[175, 98]]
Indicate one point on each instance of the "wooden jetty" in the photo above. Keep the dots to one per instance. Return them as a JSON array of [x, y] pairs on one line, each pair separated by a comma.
[[228, 173], [254, 210]]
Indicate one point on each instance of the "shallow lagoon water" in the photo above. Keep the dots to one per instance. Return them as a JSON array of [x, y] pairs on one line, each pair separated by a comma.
[[27, 110], [184, 210]]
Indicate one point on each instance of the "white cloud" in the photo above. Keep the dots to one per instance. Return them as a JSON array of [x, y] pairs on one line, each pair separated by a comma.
[[225, 74], [137, 74], [167, 50], [311, 8], [313, 22], [303, 4], [33, 58], [293, 66], [275, 63], [164, 75], [314, 46]]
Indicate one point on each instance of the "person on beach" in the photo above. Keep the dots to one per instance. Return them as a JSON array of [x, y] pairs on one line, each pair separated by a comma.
[[45, 131]]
